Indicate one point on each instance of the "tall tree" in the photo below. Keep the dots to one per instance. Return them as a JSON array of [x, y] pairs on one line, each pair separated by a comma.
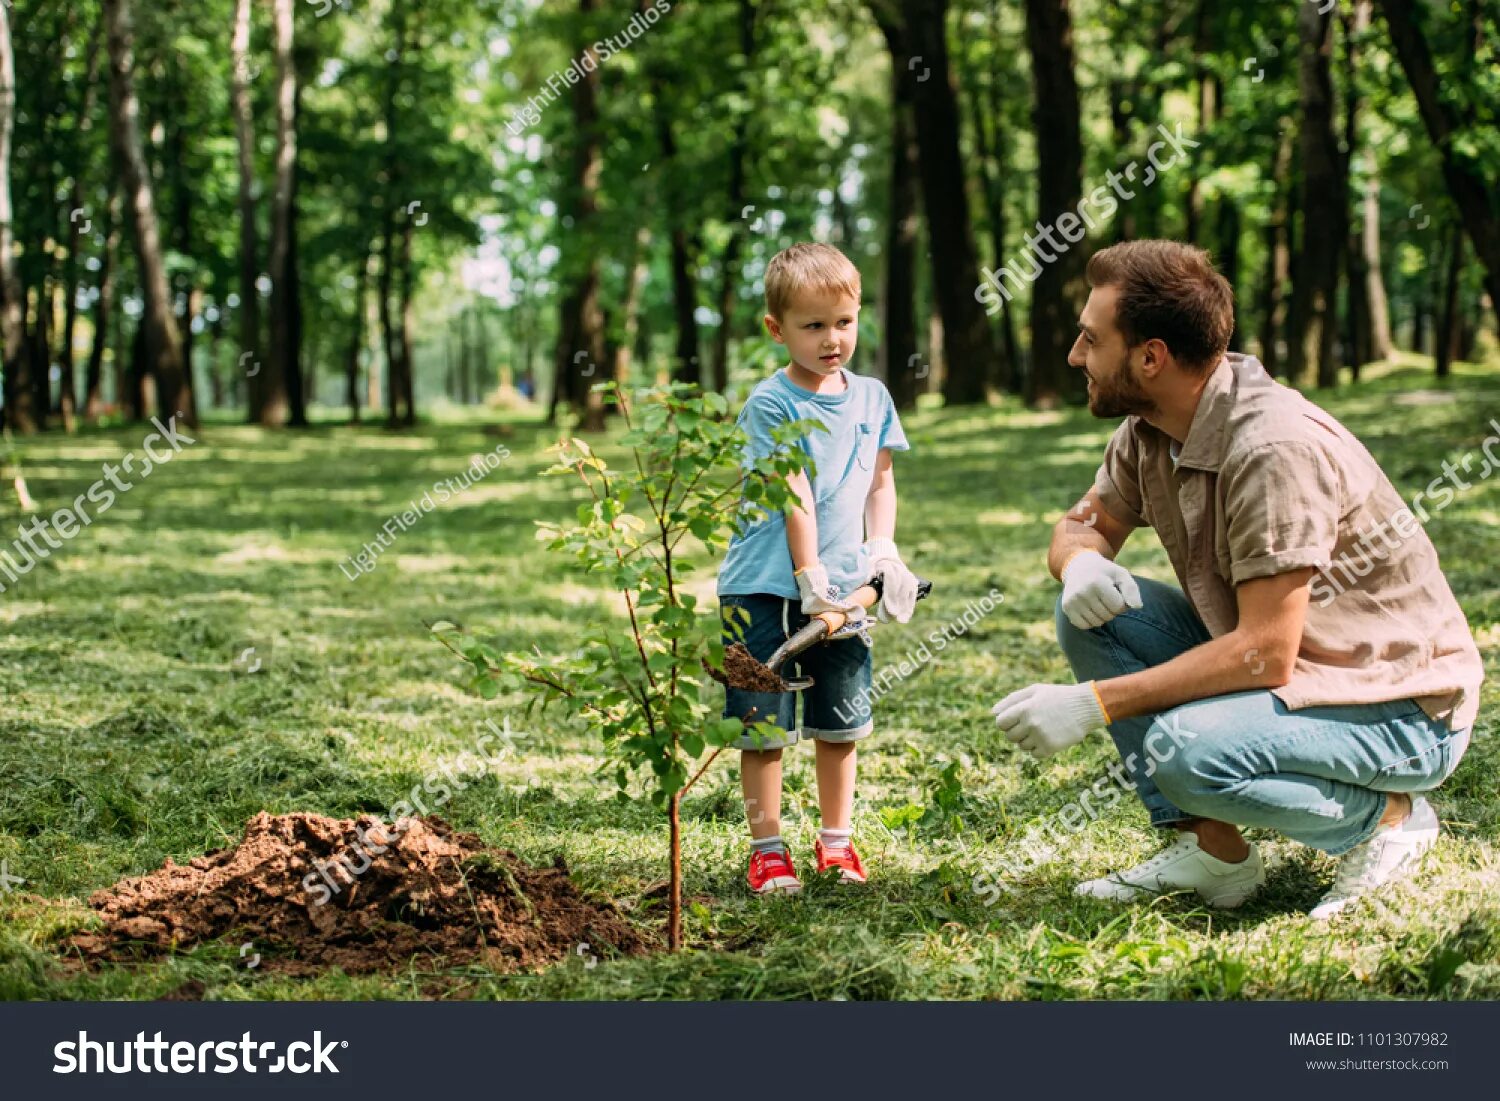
[[898, 345], [248, 360], [1056, 293], [160, 341], [17, 403], [280, 380], [1475, 192], [1310, 352], [918, 32]]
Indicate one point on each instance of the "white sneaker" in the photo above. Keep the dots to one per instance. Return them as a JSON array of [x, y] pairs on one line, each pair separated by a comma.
[[1183, 866], [1390, 854]]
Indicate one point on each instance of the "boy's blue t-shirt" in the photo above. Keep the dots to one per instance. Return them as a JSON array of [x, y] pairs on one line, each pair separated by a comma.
[[860, 420]]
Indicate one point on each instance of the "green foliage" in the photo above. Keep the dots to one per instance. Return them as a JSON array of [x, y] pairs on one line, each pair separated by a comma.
[[648, 699]]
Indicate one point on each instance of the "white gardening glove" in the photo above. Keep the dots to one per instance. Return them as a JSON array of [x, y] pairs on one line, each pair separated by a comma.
[[1095, 590], [821, 595], [899, 588], [1044, 719]]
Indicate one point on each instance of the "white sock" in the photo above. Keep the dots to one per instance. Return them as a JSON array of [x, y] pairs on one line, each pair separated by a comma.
[[835, 840], [768, 845]]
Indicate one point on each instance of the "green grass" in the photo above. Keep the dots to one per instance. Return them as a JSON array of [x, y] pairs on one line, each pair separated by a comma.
[[129, 735]]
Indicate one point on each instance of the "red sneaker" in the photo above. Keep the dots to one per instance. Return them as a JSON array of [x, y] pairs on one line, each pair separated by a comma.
[[772, 873], [847, 862]]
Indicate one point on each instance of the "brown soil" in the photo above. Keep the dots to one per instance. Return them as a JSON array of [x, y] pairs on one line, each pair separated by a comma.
[[433, 893], [741, 670]]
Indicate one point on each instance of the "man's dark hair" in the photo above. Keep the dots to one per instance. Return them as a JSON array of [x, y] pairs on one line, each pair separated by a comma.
[[1168, 292]]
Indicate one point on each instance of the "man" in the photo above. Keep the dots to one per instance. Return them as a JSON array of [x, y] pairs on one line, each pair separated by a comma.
[[1241, 700]]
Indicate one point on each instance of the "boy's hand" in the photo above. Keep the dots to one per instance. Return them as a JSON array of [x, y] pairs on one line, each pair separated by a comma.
[[1095, 590], [899, 593], [820, 595], [1044, 719]]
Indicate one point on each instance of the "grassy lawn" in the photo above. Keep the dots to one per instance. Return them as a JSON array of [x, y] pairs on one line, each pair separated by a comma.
[[133, 729]]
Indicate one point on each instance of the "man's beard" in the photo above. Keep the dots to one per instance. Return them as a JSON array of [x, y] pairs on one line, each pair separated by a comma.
[[1121, 396]]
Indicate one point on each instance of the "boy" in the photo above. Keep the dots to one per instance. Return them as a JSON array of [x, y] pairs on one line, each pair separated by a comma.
[[788, 567]]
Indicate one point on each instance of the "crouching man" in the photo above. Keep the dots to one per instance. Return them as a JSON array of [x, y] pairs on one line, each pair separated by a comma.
[[1313, 675]]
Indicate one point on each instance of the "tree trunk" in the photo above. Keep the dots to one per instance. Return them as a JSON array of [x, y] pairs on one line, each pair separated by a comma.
[[917, 34], [1057, 290], [408, 367], [1277, 271], [898, 347], [1310, 353], [1446, 347], [1360, 341], [1381, 343], [729, 262], [1228, 235], [104, 307], [1207, 106], [631, 323], [580, 334], [275, 376], [16, 391], [1470, 190], [685, 365], [162, 344], [992, 180], [249, 358]]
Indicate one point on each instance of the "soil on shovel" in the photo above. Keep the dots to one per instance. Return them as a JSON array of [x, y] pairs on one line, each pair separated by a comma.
[[742, 671], [434, 892]]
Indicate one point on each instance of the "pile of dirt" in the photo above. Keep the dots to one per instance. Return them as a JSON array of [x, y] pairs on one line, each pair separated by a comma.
[[432, 892], [742, 671]]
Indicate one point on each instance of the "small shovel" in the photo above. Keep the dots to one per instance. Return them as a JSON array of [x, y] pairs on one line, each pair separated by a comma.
[[742, 671]]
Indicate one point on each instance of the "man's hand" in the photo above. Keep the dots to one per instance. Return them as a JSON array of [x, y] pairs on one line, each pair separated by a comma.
[[1044, 719], [1095, 590], [899, 589], [820, 595]]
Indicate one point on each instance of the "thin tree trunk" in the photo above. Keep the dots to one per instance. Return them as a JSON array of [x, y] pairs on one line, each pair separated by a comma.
[[1228, 236], [729, 262], [162, 344], [1278, 260], [992, 187], [249, 257], [898, 348], [1446, 348], [275, 377], [408, 279], [1056, 292], [1381, 343], [104, 308], [1360, 347], [17, 407], [631, 322], [1310, 353]]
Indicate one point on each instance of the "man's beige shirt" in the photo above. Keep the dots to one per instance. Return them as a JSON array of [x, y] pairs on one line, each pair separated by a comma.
[[1266, 483]]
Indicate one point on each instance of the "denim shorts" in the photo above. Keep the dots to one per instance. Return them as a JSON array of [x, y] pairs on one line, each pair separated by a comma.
[[837, 706]]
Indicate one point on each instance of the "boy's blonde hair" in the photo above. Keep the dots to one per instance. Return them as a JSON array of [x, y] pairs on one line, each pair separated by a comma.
[[808, 267]]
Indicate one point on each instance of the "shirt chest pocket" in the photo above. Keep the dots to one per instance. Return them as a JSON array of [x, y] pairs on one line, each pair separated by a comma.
[[865, 445]]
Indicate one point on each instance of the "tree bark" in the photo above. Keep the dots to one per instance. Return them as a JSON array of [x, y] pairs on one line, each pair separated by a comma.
[[1274, 276], [249, 258], [104, 308], [1471, 192], [275, 375], [580, 356], [1310, 352], [161, 342], [729, 262], [898, 346], [917, 32], [1381, 342], [17, 392], [1446, 347], [1056, 294]]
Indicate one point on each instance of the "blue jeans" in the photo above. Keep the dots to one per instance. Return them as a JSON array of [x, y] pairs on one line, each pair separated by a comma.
[[1317, 775]]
